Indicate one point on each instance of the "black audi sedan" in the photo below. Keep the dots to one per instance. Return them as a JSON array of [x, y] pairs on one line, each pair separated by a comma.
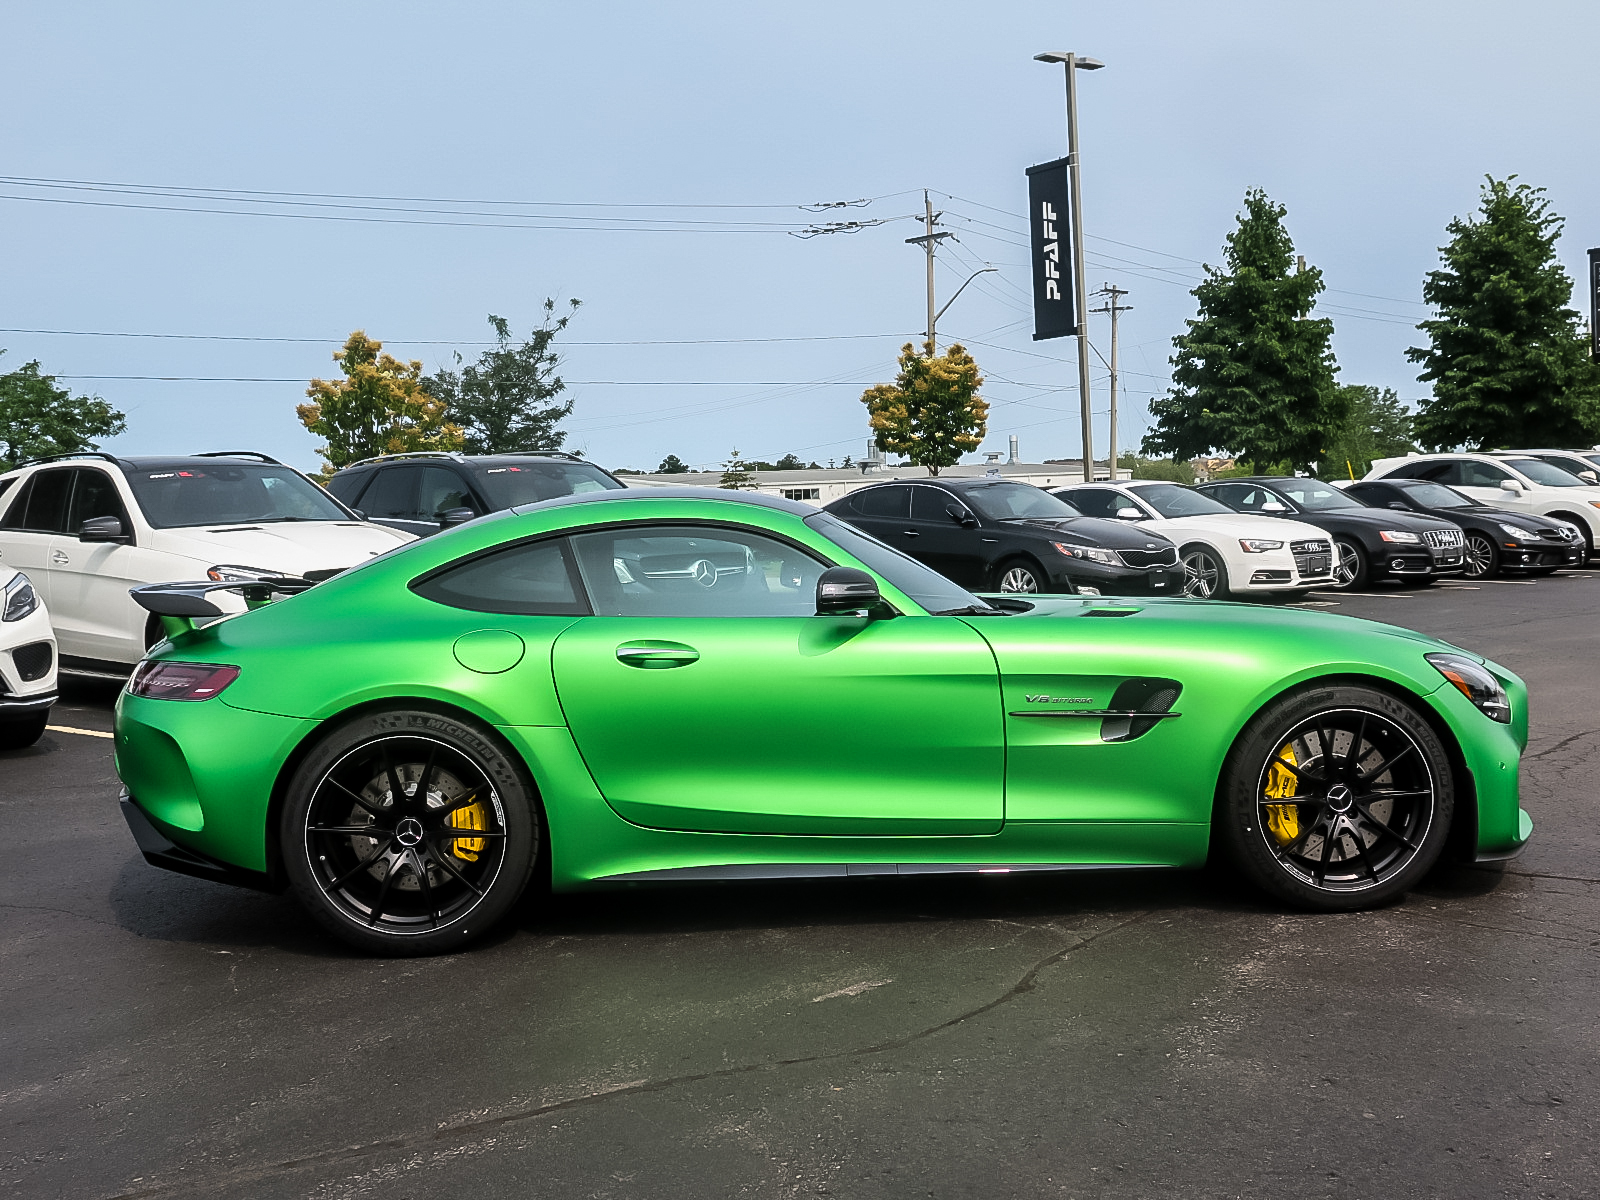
[[999, 535], [1497, 540], [1368, 543]]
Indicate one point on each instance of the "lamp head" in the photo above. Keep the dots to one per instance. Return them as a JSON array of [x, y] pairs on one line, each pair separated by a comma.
[[1064, 56]]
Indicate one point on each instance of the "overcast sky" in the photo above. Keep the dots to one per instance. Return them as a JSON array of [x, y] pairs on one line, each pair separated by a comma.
[[703, 327]]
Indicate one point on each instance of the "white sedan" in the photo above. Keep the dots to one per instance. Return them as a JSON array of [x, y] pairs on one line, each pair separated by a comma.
[[27, 662], [1223, 552]]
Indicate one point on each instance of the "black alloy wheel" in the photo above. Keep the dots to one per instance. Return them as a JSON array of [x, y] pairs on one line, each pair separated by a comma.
[[1482, 556], [1019, 575], [1350, 568], [1205, 576], [409, 833], [1337, 798]]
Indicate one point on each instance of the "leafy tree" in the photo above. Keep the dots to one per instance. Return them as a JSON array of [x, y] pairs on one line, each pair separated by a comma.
[[1377, 426], [1507, 357], [671, 465], [507, 400], [789, 462], [38, 418], [736, 475], [932, 412], [1167, 469], [379, 407], [1253, 376]]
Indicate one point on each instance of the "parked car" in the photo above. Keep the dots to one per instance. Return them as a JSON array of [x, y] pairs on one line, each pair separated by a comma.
[[1497, 539], [27, 662], [1520, 483], [1368, 544], [1223, 552], [87, 527], [514, 709], [998, 535], [1585, 464], [424, 492]]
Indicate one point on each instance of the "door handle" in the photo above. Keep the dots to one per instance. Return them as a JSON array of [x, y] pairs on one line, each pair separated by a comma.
[[656, 656], [59, 558], [910, 533]]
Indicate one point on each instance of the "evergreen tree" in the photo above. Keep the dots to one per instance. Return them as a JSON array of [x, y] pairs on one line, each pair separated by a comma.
[[1507, 358], [671, 465], [932, 412], [1377, 426], [507, 400], [37, 417], [1253, 376], [736, 475]]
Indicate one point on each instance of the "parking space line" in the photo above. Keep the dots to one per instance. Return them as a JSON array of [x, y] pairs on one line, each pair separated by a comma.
[[79, 732], [1368, 595], [1512, 582]]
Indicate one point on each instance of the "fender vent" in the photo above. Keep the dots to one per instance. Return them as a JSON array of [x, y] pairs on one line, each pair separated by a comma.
[[1142, 695]]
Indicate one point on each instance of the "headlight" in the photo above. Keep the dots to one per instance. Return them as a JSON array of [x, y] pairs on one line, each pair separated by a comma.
[[1400, 535], [1475, 683], [1258, 545], [21, 599], [232, 573], [1515, 531], [1093, 553]]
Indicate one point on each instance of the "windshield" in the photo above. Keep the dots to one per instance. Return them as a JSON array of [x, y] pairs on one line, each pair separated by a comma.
[[1540, 471], [1170, 500], [1002, 500], [1315, 496], [928, 588], [1436, 495], [226, 493], [527, 483]]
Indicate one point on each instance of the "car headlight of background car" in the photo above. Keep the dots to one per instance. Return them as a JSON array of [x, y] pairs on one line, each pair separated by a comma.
[[1516, 531], [233, 573], [1400, 535], [1258, 545], [1093, 553], [21, 599], [1474, 682]]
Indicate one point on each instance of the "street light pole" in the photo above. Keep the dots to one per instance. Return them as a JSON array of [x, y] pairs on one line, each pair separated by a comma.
[[1075, 63]]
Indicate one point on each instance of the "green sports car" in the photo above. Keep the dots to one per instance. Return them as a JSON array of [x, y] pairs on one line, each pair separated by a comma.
[[685, 684]]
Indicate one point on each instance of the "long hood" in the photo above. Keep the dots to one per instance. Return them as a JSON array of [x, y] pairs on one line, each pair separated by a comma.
[[1093, 531], [291, 547], [1235, 525], [1385, 518]]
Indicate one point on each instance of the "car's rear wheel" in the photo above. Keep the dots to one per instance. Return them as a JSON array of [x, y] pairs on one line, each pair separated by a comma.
[[1482, 556], [409, 832], [1336, 798], [1019, 575], [1350, 567], [22, 733], [1205, 575]]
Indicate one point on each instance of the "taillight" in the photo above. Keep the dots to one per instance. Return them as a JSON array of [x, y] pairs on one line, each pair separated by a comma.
[[180, 680]]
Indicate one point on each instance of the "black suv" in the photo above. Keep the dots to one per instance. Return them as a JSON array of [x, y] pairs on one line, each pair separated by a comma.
[[1368, 543], [424, 492], [999, 535]]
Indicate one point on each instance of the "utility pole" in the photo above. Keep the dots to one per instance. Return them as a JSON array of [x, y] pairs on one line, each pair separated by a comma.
[[1111, 306], [928, 241]]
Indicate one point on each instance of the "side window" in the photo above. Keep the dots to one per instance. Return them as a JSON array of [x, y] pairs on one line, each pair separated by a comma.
[[891, 502], [95, 496], [695, 571], [532, 579], [42, 508], [392, 495], [440, 489], [1096, 502], [1478, 474], [1239, 496], [931, 504], [12, 518], [347, 487], [1438, 472]]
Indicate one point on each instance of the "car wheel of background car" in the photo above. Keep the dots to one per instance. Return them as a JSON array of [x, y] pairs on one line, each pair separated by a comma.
[[1583, 528], [1019, 575], [1336, 798], [1349, 564], [1482, 557], [409, 832], [1204, 574], [19, 735]]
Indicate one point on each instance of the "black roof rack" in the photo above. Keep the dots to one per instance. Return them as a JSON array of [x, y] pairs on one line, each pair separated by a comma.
[[266, 458], [378, 458], [538, 453], [45, 458]]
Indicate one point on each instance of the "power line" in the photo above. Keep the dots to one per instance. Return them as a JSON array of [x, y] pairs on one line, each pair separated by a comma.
[[223, 337]]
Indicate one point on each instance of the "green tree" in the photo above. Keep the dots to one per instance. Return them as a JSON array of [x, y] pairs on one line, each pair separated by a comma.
[[38, 417], [379, 407], [736, 475], [1253, 376], [1506, 356], [1170, 470], [1377, 425], [507, 400], [932, 412], [671, 465]]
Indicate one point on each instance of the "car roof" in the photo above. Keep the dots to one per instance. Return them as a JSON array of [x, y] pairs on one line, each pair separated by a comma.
[[725, 495], [147, 462], [509, 458]]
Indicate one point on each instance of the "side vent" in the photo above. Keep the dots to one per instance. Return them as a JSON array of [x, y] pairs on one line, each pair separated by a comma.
[[1139, 695]]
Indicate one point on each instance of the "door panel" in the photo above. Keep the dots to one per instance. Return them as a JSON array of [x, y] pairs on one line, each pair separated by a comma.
[[788, 725], [32, 522], [949, 547]]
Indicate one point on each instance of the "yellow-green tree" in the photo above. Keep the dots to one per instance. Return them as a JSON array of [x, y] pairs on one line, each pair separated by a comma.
[[932, 412], [379, 407]]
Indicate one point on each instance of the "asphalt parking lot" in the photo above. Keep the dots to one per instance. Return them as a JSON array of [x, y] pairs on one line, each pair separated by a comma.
[[1129, 1036]]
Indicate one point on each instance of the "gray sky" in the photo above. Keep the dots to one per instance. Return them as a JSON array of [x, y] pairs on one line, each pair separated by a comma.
[[1373, 122]]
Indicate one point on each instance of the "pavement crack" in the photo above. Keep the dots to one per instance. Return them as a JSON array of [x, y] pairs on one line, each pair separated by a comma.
[[466, 1130], [1544, 875], [1561, 745]]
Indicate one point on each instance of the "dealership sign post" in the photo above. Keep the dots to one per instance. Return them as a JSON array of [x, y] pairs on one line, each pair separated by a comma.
[[1049, 206], [1594, 304]]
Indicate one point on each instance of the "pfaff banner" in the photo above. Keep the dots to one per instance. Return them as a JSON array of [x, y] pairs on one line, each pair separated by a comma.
[[1049, 226], [1594, 305]]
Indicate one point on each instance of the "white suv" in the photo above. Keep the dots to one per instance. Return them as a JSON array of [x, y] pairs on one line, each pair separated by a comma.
[[88, 527], [27, 662], [1521, 483]]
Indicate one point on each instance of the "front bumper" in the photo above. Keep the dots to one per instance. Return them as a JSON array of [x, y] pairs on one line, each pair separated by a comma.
[[1414, 562], [1533, 556], [1121, 581]]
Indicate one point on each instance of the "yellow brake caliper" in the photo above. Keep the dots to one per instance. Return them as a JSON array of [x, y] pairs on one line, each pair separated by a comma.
[[1283, 820], [472, 816]]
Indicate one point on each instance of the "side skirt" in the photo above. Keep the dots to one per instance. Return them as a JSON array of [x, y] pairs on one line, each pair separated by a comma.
[[839, 870]]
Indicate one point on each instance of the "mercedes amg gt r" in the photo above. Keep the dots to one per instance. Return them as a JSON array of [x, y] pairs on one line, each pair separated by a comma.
[[691, 684]]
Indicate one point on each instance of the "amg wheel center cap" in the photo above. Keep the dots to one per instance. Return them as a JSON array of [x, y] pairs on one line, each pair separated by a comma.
[[1340, 797], [408, 832]]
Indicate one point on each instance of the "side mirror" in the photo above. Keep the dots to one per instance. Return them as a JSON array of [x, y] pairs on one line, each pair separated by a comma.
[[1129, 514], [455, 516], [957, 513], [1512, 486], [1272, 506], [102, 529], [1589, 477], [1400, 504], [846, 590]]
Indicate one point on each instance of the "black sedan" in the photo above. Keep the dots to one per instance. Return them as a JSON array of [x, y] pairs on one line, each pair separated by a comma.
[[1497, 540], [999, 535], [1368, 543]]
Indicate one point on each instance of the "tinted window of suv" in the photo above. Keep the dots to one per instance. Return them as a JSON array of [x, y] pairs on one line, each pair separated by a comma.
[[218, 492], [439, 490], [42, 506], [527, 483], [94, 496], [392, 495]]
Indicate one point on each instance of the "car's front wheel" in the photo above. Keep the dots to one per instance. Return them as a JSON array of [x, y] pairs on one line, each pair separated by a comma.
[[1336, 798], [1350, 566], [409, 832], [1019, 575], [1482, 556], [1205, 575]]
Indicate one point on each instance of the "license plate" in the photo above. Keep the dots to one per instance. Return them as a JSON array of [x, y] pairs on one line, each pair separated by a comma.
[[1158, 579], [1317, 565]]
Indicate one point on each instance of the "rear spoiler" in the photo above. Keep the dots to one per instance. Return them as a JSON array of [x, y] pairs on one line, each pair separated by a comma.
[[180, 605]]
